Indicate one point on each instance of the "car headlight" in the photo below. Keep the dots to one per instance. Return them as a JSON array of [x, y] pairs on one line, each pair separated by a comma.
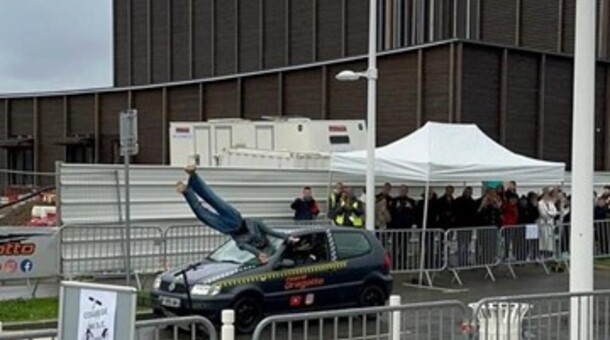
[[157, 283], [206, 290]]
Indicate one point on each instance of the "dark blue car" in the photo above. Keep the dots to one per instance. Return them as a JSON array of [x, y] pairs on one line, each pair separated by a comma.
[[328, 267]]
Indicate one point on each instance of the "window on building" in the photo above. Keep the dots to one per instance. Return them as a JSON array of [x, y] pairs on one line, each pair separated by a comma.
[[20, 160], [79, 153]]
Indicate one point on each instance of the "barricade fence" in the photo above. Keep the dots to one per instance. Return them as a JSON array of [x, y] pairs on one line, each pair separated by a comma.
[[99, 250]]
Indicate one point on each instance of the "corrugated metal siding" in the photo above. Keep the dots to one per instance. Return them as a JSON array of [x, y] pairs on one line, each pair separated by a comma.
[[539, 22], [481, 84], [150, 126], [81, 114], [558, 111], [121, 43], [569, 25], [498, 21], [303, 93], [436, 84], [329, 30], [51, 115], [357, 27], [275, 33], [183, 104], [249, 33], [225, 37], [160, 31], [346, 100], [111, 104], [397, 97], [260, 97], [301, 33], [180, 40], [221, 100], [139, 24], [202, 38], [522, 103], [600, 117], [21, 117]]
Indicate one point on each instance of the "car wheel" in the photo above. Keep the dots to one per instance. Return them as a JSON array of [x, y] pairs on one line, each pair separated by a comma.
[[372, 296], [248, 312]]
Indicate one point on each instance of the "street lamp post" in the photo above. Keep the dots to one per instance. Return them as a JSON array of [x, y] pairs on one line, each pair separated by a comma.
[[371, 76]]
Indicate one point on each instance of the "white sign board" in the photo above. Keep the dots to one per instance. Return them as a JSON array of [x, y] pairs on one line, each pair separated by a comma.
[[96, 315]]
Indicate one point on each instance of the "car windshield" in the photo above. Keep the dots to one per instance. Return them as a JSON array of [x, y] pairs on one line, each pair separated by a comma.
[[229, 252]]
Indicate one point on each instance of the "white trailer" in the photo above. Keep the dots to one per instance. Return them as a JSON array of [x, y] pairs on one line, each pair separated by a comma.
[[202, 143]]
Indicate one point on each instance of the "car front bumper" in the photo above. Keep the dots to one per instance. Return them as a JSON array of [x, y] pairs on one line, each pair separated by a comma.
[[208, 307]]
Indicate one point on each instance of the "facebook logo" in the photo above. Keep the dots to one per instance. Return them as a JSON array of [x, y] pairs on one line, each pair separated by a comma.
[[27, 266]]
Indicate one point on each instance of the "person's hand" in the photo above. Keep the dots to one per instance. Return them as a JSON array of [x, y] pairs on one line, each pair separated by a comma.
[[263, 258], [293, 240]]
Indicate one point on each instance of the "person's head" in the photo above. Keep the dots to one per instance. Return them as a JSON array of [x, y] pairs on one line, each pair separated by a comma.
[[449, 190], [387, 188], [606, 190], [348, 191], [600, 202], [338, 187], [500, 189], [467, 192], [523, 202], [404, 190], [511, 186], [532, 197], [513, 199], [307, 192]]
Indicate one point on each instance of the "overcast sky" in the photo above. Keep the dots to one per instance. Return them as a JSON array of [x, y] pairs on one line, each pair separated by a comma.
[[48, 45]]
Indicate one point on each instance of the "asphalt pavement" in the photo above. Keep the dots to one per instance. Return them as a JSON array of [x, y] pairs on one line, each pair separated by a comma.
[[432, 323]]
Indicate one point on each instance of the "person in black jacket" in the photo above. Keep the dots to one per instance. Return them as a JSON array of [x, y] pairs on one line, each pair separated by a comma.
[[446, 209], [465, 209], [402, 209], [305, 207]]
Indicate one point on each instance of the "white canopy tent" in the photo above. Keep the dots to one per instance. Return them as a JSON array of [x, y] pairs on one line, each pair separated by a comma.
[[441, 152]]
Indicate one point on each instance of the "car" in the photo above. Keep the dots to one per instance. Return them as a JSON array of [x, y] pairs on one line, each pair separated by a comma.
[[327, 268]]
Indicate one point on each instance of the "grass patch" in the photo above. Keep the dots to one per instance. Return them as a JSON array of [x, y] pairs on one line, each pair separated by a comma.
[[46, 308], [603, 262]]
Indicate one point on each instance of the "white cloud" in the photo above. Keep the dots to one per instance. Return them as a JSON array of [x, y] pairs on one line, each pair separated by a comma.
[[55, 45]]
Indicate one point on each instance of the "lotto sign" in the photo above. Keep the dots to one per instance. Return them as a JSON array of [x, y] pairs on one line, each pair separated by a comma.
[[27, 252]]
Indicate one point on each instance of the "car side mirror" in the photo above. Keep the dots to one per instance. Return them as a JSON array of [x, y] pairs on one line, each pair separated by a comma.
[[285, 263]]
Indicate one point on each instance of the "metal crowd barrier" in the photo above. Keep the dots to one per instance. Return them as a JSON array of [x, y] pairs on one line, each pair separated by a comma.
[[197, 327], [472, 248], [188, 243], [528, 244], [432, 320], [405, 246]]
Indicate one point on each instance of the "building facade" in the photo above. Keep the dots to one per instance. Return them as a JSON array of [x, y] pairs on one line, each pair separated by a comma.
[[505, 65]]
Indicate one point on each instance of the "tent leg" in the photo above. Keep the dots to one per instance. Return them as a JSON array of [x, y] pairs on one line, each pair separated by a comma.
[[329, 191], [422, 258]]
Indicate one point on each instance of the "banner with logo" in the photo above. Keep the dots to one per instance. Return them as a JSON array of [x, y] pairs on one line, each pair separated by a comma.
[[28, 252]]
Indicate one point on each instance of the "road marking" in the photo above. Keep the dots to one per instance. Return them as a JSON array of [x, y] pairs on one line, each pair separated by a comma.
[[441, 289]]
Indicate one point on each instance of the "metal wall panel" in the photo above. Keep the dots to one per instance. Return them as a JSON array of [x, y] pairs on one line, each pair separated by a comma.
[[301, 31], [397, 97], [569, 24], [558, 110], [180, 50], [183, 104], [21, 113], [275, 33], [522, 97], [150, 126], [357, 27], [111, 105], [225, 37], [81, 114], [160, 34], [221, 100], [540, 19], [436, 84], [249, 35], [329, 20], [202, 38], [121, 42], [139, 24], [346, 100], [261, 97], [498, 21], [303, 93], [481, 84], [51, 115]]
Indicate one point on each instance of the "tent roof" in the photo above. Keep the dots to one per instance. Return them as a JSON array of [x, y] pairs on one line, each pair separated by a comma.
[[440, 152]]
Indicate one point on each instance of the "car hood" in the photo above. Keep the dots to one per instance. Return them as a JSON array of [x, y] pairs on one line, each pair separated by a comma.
[[206, 272]]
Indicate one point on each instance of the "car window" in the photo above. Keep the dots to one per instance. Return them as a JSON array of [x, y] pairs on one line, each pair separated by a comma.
[[230, 252], [310, 249], [350, 245]]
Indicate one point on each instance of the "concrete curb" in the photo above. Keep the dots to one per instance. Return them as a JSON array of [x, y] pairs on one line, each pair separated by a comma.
[[46, 324]]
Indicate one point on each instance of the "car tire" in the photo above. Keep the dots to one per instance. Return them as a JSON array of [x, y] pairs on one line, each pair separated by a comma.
[[248, 312], [372, 296]]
